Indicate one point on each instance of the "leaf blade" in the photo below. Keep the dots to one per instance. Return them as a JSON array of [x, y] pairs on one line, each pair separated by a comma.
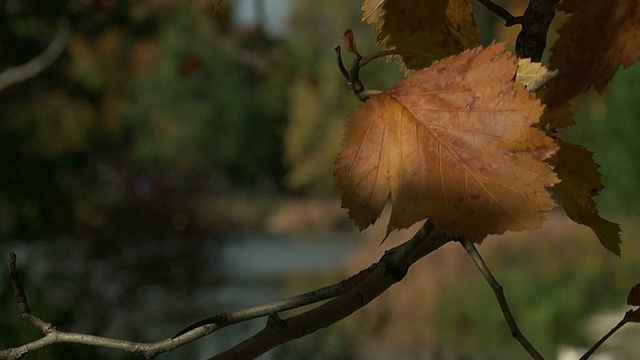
[[458, 149], [580, 182]]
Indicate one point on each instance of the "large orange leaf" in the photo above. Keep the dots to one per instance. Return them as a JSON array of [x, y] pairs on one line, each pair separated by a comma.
[[580, 183], [452, 143], [599, 37], [437, 28]]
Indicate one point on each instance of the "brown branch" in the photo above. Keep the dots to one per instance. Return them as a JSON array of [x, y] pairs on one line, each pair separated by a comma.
[[502, 300], [532, 39], [18, 288], [38, 64], [352, 294], [311, 297], [375, 280]]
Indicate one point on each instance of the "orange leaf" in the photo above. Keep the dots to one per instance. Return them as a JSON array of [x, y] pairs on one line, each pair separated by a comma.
[[599, 37], [436, 28], [580, 182], [452, 143]]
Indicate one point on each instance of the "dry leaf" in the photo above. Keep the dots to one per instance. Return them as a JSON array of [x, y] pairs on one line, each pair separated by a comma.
[[580, 182], [599, 37], [437, 28], [555, 118], [349, 43], [529, 72], [452, 143]]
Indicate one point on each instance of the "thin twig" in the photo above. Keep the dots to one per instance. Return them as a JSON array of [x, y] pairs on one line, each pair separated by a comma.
[[35, 66], [538, 83], [502, 300], [18, 288], [312, 297], [369, 57], [603, 339], [343, 69]]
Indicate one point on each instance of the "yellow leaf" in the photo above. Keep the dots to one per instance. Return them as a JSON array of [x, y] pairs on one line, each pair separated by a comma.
[[435, 28], [580, 182], [529, 72], [452, 143]]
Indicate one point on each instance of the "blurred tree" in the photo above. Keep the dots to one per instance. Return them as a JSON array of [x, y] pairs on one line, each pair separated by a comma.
[[152, 105], [318, 94], [609, 126]]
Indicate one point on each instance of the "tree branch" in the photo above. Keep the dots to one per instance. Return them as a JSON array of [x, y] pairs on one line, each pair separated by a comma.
[[502, 300], [376, 279], [532, 39], [35, 66], [349, 295], [312, 297], [18, 288]]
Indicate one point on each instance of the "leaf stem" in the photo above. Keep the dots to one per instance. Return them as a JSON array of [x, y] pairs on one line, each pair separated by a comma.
[[502, 300]]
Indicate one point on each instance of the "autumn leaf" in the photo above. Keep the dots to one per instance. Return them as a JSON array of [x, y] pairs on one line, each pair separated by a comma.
[[598, 38], [580, 182], [436, 28], [349, 43], [452, 143], [529, 72], [556, 118]]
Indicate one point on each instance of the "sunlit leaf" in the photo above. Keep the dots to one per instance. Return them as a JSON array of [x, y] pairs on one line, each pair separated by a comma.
[[529, 72], [452, 143]]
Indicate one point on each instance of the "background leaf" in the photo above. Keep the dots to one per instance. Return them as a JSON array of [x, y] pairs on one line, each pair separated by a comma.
[[438, 28], [598, 38], [580, 182]]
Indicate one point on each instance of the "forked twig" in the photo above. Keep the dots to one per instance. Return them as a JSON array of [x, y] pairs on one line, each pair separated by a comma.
[[502, 300]]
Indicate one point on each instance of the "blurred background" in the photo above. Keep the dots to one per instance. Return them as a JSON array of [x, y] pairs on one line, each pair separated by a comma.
[[174, 160]]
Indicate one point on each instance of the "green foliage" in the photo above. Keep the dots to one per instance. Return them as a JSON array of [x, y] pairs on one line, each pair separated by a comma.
[[317, 101], [146, 110], [551, 307], [610, 126]]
